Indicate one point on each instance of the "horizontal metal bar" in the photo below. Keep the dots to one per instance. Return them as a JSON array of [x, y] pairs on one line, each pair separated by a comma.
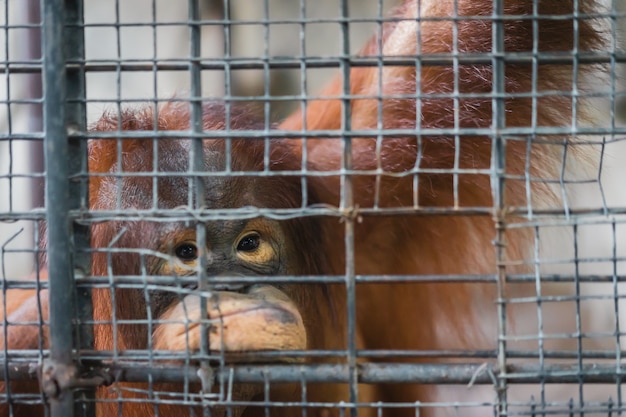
[[14, 137], [551, 217], [340, 279], [145, 281], [13, 216], [312, 62], [541, 217], [397, 373], [367, 373], [19, 356], [353, 19], [429, 59], [538, 134], [141, 281], [278, 214]]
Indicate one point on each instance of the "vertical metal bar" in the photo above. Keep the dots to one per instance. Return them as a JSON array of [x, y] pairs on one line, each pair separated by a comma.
[[540, 316], [534, 101], [76, 122], [347, 203], [303, 103], [529, 203], [616, 313], [578, 321], [418, 105], [228, 91], [457, 104], [498, 164], [9, 115], [197, 166], [155, 168], [267, 94], [195, 73], [379, 104], [62, 307], [64, 112], [34, 91]]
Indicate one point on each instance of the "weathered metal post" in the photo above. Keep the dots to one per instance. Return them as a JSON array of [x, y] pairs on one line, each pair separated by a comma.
[[64, 118]]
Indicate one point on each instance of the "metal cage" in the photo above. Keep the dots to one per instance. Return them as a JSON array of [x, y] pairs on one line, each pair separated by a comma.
[[536, 328]]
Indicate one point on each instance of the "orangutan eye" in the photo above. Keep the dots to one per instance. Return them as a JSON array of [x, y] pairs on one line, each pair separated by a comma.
[[186, 252], [249, 243]]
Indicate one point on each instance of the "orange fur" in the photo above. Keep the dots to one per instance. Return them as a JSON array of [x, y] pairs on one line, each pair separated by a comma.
[[439, 316], [24, 331]]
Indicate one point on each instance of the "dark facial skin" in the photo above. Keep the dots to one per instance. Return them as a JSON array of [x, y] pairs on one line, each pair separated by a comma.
[[252, 247], [243, 247]]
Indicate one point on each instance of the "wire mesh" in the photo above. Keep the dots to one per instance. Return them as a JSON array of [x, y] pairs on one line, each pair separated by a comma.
[[247, 211]]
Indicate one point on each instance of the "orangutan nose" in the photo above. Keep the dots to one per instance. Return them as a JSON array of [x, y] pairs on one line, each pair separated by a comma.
[[223, 285]]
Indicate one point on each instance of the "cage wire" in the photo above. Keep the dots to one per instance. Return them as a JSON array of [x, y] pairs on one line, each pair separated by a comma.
[[198, 255]]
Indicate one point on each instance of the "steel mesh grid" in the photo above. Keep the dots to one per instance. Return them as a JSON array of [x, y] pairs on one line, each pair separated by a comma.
[[537, 219]]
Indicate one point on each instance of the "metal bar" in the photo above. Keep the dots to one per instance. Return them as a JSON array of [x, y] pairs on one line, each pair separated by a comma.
[[512, 133], [544, 217], [548, 217], [65, 112], [366, 373], [370, 373], [498, 165], [34, 89], [336, 279], [347, 202], [62, 300], [365, 19], [144, 65], [132, 281], [26, 357], [197, 194], [76, 121]]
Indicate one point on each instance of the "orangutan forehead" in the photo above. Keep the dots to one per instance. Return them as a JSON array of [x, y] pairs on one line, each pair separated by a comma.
[[217, 230], [178, 191], [175, 155]]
